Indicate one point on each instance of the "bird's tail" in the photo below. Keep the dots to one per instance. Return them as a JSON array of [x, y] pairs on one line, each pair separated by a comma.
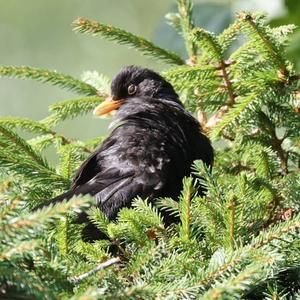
[[90, 232], [65, 196]]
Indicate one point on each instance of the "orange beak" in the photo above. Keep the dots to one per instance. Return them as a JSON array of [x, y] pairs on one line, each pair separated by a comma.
[[107, 106]]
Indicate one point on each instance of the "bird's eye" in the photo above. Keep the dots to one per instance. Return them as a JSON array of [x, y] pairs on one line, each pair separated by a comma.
[[131, 89]]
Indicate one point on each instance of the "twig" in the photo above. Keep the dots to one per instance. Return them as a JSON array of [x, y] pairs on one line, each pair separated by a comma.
[[277, 146], [123, 253], [227, 82], [276, 143], [273, 216], [232, 220], [112, 261], [66, 141], [216, 118]]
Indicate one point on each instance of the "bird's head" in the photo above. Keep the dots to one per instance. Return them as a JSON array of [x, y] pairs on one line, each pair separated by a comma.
[[136, 82]]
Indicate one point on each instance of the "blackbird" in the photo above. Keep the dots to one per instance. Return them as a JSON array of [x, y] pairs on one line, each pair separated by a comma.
[[149, 151]]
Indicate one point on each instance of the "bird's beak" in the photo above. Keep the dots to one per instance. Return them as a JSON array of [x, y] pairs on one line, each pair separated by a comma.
[[107, 106]]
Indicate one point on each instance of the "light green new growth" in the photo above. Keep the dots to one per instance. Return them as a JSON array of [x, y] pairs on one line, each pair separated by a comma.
[[185, 11]]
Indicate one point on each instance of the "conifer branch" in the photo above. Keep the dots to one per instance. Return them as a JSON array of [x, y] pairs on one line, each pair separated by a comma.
[[276, 143], [227, 83], [231, 116], [253, 26], [97, 217], [232, 207], [237, 257], [209, 42], [39, 218], [186, 76], [18, 157], [53, 77], [213, 275], [41, 142], [216, 118], [32, 286], [6, 210], [68, 156], [169, 205], [20, 248], [24, 123], [37, 174], [69, 109], [276, 233], [67, 141], [23, 145], [185, 9], [185, 213], [38, 127], [226, 38], [265, 165], [123, 37], [250, 274]]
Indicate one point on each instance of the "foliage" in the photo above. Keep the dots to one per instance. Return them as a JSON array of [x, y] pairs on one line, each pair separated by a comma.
[[239, 240]]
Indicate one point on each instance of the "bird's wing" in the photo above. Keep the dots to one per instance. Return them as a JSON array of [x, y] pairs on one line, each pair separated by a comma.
[[103, 186], [114, 188], [87, 171], [108, 178]]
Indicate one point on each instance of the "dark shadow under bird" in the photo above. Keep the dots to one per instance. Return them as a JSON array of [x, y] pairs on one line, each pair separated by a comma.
[[150, 150]]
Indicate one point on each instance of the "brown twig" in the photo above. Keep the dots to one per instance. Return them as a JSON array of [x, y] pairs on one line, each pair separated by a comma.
[[283, 157], [227, 82], [231, 207], [216, 118], [276, 143]]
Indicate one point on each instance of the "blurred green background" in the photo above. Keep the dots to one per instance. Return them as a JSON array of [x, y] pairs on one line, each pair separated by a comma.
[[38, 33]]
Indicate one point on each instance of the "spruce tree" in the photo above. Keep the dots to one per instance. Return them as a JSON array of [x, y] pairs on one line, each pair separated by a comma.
[[238, 241]]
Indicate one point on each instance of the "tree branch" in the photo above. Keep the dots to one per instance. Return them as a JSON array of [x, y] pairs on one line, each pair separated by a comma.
[[280, 62], [112, 261], [124, 37], [276, 143], [216, 118]]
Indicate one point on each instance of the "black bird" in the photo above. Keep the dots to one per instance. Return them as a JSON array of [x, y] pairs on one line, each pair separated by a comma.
[[150, 150]]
